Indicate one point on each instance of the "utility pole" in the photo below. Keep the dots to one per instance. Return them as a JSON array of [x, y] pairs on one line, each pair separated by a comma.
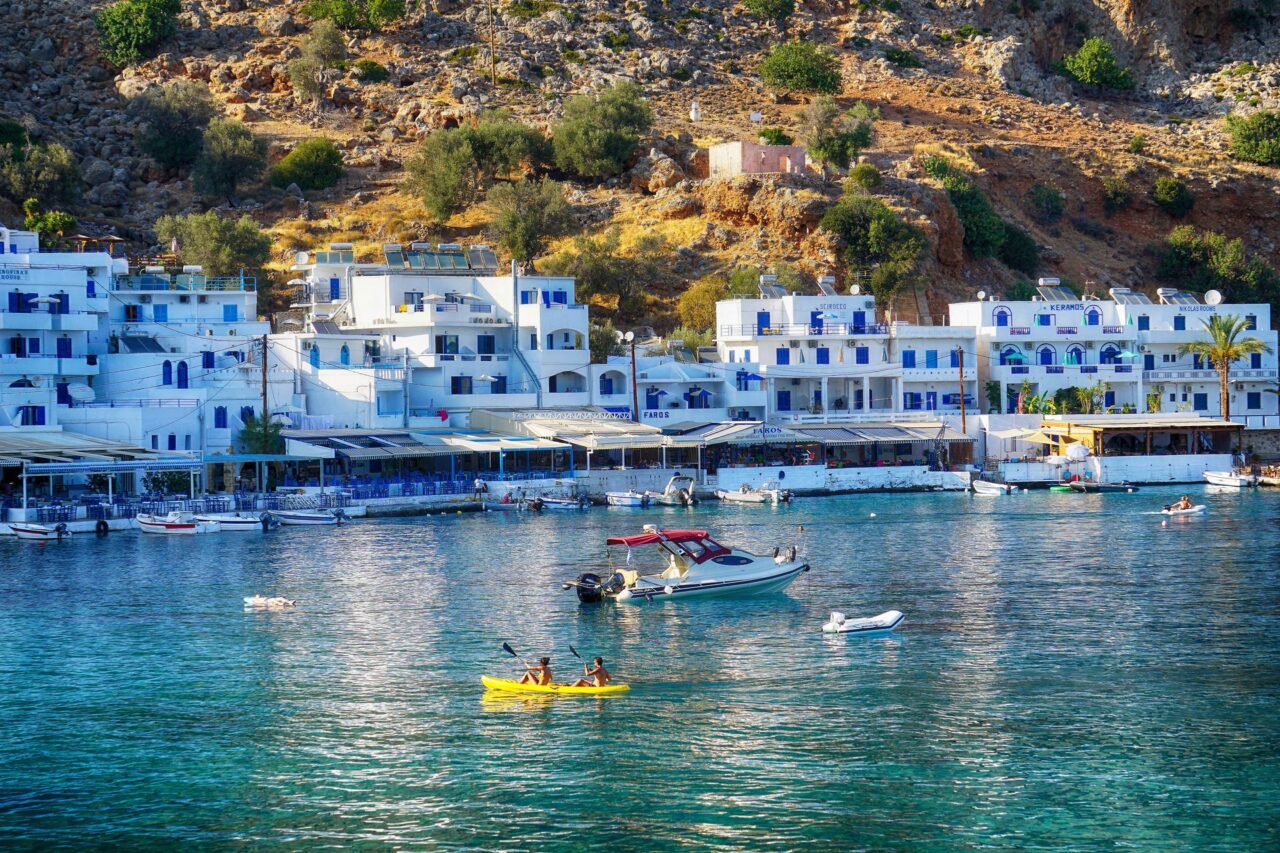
[[635, 391], [960, 361], [493, 47], [265, 412]]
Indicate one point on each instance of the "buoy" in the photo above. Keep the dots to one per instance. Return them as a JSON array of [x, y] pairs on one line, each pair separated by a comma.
[[625, 595], [873, 515], [668, 590]]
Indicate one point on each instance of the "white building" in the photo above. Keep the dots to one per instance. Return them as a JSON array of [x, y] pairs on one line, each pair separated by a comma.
[[180, 363], [52, 304], [432, 332], [1060, 341], [827, 354]]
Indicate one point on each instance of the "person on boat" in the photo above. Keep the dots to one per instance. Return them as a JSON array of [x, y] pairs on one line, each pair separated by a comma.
[[540, 674], [1185, 503], [506, 499], [594, 676]]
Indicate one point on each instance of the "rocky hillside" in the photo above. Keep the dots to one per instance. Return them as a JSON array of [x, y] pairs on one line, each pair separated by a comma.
[[985, 92]]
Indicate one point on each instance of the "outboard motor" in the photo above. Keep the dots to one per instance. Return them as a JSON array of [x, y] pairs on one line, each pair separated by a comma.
[[61, 528], [588, 587], [614, 585], [268, 520], [341, 515]]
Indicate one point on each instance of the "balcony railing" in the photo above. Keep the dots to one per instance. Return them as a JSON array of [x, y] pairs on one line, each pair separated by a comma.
[[803, 329], [185, 283], [172, 403]]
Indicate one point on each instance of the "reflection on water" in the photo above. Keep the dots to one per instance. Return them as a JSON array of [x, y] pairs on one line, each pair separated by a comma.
[[1073, 670]]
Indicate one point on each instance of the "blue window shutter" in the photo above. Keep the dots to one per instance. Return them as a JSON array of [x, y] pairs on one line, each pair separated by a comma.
[[861, 355], [908, 358], [784, 355], [931, 358], [206, 359], [824, 355], [160, 313], [1144, 323]]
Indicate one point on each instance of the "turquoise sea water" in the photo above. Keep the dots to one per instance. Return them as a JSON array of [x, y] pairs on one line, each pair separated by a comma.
[[1073, 674]]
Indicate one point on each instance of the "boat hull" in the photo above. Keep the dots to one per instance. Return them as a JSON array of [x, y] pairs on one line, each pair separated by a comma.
[[1228, 478], [233, 523], [984, 487], [559, 505], [174, 527], [1103, 487], [647, 590], [38, 532], [626, 499], [509, 686], [1195, 510], [885, 623]]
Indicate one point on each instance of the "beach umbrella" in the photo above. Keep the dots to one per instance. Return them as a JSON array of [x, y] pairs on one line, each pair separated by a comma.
[[1127, 354], [1013, 356], [755, 376]]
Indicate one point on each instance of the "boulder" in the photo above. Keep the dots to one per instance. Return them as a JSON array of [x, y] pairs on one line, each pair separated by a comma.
[[96, 172], [278, 24], [110, 194], [679, 207]]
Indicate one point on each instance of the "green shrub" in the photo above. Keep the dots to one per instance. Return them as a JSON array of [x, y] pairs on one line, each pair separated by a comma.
[[902, 58], [601, 269], [801, 66], [356, 14], [597, 134], [1256, 138], [51, 225], [834, 136], [697, 305], [370, 71], [1116, 195], [775, 136], [13, 139], [967, 31], [1045, 201], [230, 155], [1018, 250], [174, 118], [984, 231], [875, 238], [462, 55], [323, 47], [1137, 143], [1173, 196], [1094, 64], [48, 173], [617, 41], [864, 176], [771, 10], [1020, 291], [221, 245], [128, 28], [1200, 260], [314, 164], [525, 9], [574, 57]]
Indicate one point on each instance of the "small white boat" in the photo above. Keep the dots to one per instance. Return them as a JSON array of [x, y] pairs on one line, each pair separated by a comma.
[[558, 504], [175, 524], [39, 532], [678, 492], [882, 624], [695, 565], [514, 505], [262, 602], [1231, 478], [1169, 510], [986, 487], [768, 493], [230, 522], [304, 517], [628, 498]]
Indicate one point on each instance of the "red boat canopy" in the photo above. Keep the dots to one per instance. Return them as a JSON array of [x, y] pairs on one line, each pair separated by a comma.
[[660, 536]]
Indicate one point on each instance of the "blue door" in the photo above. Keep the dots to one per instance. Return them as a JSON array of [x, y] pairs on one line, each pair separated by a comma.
[[314, 357], [1148, 362], [784, 355], [815, 321], [651, 400], [183, 375], [908, 358], [817, 398], [1200, 402], [606, 386], [859, 321], [824, 355], [1255, 361], [1109, 399], [1002, 318], [1046, 356], [861, 355], [228, 313], [335, 290], [784, 401], [931, 400], [857, 399], [64, 347], [931, 358], [762, 322]]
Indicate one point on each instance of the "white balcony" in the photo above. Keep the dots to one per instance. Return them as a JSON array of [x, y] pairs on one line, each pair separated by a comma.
[[1069, 373], [46, 365], [78, 322], [1059, 334], [1208, 375], [937, 374]]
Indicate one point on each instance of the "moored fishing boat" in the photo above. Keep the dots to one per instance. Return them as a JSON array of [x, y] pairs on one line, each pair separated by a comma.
[[770, 492], [986, 487], [175, 524], [627, 498], [1233, 479], [678, 492], [39, 532], [306, 517], [236, 521], [696, 565], [558, 504], [1091, 486]]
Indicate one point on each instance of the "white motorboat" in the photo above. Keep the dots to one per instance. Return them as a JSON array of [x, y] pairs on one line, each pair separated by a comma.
[[678, 492], [882, 624], [770, 492], [236, 521], [39, 532], [628, 498], [1230, 478], [696, 565], [558, 504], [986, 487], [1195, 510], [513, 505], [312, 517], [175, 524]]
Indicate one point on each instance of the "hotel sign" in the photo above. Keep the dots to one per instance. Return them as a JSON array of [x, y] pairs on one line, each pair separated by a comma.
[[1197, 309], [1019, 330], [14, 274]]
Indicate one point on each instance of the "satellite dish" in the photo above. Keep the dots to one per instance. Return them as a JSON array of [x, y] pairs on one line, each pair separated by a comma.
[[855, 289], [301, 258], [629, 337], [1213, 297], [982, 294]]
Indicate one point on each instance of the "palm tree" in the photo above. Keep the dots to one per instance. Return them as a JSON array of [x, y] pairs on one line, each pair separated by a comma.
[[1223, 347]]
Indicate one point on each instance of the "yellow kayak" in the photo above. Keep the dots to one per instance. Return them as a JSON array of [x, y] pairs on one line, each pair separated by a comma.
[[516, 687]]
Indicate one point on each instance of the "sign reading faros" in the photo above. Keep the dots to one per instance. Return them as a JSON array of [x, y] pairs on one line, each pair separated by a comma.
[[656, 415]]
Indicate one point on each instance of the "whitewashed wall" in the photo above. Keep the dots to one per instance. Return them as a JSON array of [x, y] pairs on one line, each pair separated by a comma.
[[1134, 469]]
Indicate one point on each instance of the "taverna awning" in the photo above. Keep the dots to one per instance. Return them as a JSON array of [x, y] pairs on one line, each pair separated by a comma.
[[835, 435], [591, 429], [49, 448], [488, 443], [357, 444], [739, 432]]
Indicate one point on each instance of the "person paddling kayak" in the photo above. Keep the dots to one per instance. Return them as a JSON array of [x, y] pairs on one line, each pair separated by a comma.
[[540, 674], [594, 676]]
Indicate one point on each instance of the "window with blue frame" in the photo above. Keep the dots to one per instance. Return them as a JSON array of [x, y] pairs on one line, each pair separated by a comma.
[[1045, 355], [1044, 319], [486, 344], [559, 297], [911, 401], [606, 386], [220, 417], [861, 355], [1200, 402], [229, 314], [460, 384], [1002, 316], [1110, 355], [1197, 363], [183, 375], [33, 346], [784, 355], [1255, 361], [1144, 323], [64, 396], [955, 358], [447, 344], [528, 297], [206, 359], [173, 441], [908, 358], [1092, 317], [166, 373], [498, 385], [931, 358], [31, 416], [1253, 400], [155, 442], [1251, 321], [1109, 398], [160, 313], [246, 414], [1075, 356], [824, 355], [1179, 323], [64, 347]]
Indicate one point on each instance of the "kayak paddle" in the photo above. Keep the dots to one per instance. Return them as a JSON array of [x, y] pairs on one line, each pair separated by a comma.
[[579, 657], [506, 647]]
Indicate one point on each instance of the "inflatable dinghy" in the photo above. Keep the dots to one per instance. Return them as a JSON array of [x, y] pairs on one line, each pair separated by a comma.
[[882, 624], [1195, 509]]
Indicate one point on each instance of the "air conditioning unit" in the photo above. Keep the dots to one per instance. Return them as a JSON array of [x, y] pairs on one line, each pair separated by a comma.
[[1088, 345], [793, 344], [145, 298], [1142, 347], [813, 344], [184, 299]]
